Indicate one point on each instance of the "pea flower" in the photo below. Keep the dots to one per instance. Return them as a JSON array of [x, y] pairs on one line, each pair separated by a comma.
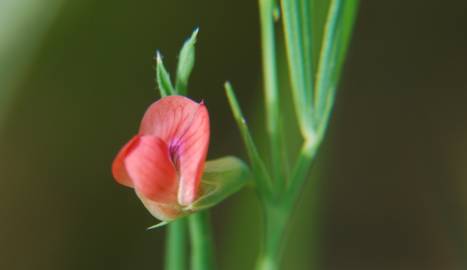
[[164, 162]]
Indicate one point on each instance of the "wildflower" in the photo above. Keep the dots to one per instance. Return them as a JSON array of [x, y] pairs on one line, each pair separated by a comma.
[[164, 162]]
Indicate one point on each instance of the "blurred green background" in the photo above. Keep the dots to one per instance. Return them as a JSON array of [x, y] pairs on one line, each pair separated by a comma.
[[389, 186]]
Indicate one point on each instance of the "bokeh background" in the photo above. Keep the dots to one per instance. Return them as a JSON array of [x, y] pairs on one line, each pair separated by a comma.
[[388, 190]]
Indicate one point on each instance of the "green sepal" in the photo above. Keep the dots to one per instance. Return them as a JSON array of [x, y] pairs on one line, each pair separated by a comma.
[[186, 61], [222, 177]]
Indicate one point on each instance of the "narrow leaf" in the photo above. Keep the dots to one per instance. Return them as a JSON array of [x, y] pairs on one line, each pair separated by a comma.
[[160, 224], [337, 32], [186, 62], [271, 89], [293, 21], [345, 33], [163, 78], [261, 176]]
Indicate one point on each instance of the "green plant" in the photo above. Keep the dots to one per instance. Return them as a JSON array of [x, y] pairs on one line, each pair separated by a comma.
[[316, 51]]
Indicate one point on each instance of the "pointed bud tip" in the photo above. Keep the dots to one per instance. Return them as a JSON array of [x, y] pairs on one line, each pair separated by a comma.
[[158, 57], [160, 224], [195, 32]]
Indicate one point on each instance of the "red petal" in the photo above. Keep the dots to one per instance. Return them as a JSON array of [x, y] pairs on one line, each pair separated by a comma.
[[184, 125], [192, 155], [149, 167], [118, 168]]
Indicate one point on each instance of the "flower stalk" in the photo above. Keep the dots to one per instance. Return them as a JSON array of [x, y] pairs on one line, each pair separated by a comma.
[[201, 241], [175, 247]]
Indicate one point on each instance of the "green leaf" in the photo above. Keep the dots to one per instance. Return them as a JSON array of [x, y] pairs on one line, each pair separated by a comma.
[[337, 33], [186, 62], [261, 175], [163, 78], [222, 177], [345, 33], [160, 224], [298, 34], [271, 89]]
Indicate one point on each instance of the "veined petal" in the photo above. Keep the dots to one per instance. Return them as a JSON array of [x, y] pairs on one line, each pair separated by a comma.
[[149, 167], [192, 156], [169, 117], [118, 168], [184, 125]]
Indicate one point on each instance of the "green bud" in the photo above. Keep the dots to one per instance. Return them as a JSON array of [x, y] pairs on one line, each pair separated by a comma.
[[163, 78], [186, 61]]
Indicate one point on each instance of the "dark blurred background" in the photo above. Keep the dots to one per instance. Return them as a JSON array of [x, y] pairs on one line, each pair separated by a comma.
[[388, 189]]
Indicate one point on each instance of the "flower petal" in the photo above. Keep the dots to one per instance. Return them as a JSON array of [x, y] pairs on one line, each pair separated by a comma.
[[149, 167], [118, 168], [160, 211], [184, 125], [169, 117], [192, 156]]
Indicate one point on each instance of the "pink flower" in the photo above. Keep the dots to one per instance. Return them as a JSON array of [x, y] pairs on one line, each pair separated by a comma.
[[165, 160]]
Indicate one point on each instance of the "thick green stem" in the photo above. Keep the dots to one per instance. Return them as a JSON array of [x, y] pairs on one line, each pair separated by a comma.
[[276, 218], [201, 241], [175, 247], [271, 91]]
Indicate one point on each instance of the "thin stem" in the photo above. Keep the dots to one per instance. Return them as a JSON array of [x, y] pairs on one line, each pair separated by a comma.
[[175, 247], [271, 92], [201, 241], [300, 171]]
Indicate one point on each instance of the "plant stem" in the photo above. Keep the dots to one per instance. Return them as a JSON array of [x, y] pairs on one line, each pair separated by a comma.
[[175, 254], [300, 171], [201, 241], [271, 91], [276, 217]]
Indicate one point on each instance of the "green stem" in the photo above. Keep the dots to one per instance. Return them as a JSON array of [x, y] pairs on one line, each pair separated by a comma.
[[201, 241], [271, 91], [276, 217], [300, 171], [175, 254]]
